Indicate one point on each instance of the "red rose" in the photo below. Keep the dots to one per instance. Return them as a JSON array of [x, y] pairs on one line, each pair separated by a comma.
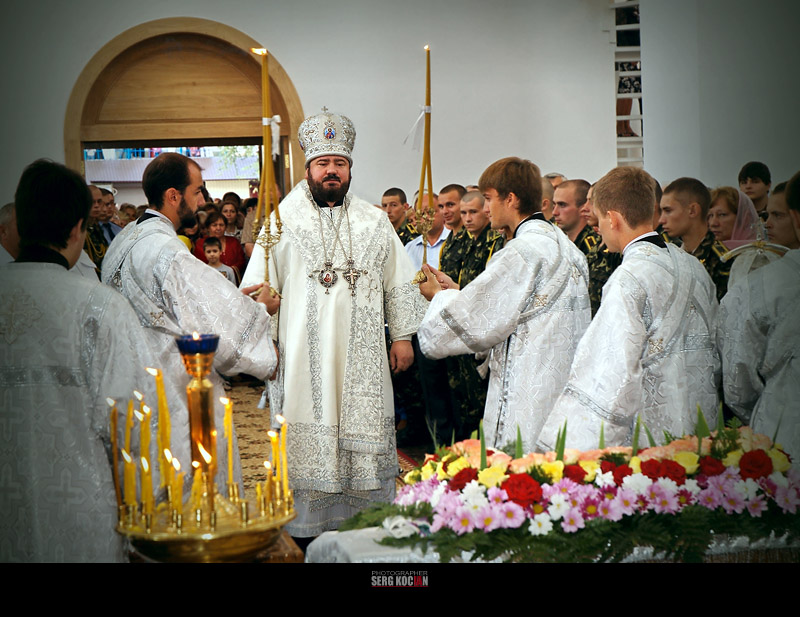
[[710, 466], [462, 478], [674, 471], [620, 472], [576, 473], [606, 466], [652, 469], [522, 489], [755, 464]]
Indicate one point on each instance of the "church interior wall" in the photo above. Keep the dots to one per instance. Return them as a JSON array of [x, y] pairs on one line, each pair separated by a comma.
[[532, 78], [721, 88]]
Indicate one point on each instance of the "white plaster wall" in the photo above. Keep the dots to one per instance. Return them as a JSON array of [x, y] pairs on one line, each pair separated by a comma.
[[532, 78], [720, 82]]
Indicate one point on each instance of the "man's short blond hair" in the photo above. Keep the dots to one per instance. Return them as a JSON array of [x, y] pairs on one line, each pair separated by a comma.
[[628, 190]]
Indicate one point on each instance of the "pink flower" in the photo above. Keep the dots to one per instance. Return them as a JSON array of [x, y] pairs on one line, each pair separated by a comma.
[[757, 506], [666, 503], [590, 507], [572, 521], [710, 498], [787, 499], [488, 518], [496, 495], [462, 522], [511, 515], [627, 501], [685, 498], [610, 509]]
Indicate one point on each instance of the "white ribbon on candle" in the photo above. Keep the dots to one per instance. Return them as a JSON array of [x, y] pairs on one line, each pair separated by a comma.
[[275, 123], [417, 128]]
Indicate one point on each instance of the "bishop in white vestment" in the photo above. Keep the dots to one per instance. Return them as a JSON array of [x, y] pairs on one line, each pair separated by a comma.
[[342, 273]]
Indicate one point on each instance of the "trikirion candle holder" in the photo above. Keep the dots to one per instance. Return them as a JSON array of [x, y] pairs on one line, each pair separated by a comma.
[[206, 527]]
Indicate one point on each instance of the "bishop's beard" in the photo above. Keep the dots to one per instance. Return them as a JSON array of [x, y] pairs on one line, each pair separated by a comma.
[[186, 216], [328, 195]]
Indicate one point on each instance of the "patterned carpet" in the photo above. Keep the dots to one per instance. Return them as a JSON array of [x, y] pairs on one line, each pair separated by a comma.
[[252, 425]]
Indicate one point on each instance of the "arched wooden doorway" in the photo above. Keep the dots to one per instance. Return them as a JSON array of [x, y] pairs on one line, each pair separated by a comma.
[[179, 81]]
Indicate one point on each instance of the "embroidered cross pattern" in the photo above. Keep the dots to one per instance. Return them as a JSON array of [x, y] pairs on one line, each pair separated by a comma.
[[656, 345]]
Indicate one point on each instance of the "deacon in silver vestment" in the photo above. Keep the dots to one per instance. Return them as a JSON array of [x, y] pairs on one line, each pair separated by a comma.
[[759, 337], [68, 344], [650, 348], [175, 294], [342, 272], [529, 307]]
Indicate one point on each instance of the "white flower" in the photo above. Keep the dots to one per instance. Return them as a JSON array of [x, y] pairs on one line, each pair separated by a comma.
[[778, 478], [400, 526], [474, 495], [437, 494], [540, 525], [558, 506], [637, 483], [747, 488], [668, 485], [692, 486], [604, 479]]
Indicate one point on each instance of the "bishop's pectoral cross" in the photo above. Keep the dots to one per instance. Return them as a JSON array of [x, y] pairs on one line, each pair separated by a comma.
[[351, 275]]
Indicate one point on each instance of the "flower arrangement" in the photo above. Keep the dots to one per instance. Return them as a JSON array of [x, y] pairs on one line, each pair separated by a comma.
[[597, 505]]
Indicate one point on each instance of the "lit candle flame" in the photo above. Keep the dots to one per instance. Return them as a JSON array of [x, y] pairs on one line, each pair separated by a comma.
[[146, 410], [111, 402], [145, 466], [168, 455], [268, 465], [195, 336], [426, 48], [280, 419], [176, 464], [195, 464], [126, 456], [224, 400], [272, 434], [153, 371], [138, 395], [139, 415], [203, 452], [260, 51]]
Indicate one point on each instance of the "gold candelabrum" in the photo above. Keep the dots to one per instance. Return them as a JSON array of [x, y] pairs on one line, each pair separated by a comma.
[[425, 214], [206, 527]]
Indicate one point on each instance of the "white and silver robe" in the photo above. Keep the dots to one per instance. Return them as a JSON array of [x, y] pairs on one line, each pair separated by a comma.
[[334, 375], [649, 350], [759, 338], [175, 294], [530, 307], [68, 343]]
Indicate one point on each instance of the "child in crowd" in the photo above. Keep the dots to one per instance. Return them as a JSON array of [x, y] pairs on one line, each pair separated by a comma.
[[213, 251]]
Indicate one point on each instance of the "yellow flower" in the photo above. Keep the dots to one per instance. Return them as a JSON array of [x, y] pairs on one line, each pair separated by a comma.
[[554, 469], [780, 462], [491, 476], [457, 465], [413, 476], [442, 473], [590, 467], [429, 469], [689, 461], [635, 464], [732, 459]]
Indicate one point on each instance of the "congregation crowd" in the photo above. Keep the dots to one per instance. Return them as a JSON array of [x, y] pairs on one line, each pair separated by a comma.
[[542, 300]]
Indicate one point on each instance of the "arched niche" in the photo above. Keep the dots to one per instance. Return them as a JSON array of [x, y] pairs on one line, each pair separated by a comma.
[[180, 80]]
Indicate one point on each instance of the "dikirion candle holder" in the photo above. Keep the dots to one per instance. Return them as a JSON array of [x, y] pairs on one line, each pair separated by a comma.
[[207, 527]]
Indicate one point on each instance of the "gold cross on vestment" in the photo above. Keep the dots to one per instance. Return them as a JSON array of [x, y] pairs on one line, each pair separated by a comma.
[[351, 275]]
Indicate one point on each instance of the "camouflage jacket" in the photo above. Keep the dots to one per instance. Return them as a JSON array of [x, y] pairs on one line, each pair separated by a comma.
[[452, 253], [407, 233], [587, 239], [709, 252], [477, 254], [601, 264], [95, 245]]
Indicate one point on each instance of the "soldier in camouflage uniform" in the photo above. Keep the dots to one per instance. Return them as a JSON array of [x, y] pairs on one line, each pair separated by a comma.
[[396, 206], [452, 253], [569, 205], [467, 388], [602, 264], [684, 212]]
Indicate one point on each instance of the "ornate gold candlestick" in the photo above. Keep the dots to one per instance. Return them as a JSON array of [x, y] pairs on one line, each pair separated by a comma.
[[425, 214]]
